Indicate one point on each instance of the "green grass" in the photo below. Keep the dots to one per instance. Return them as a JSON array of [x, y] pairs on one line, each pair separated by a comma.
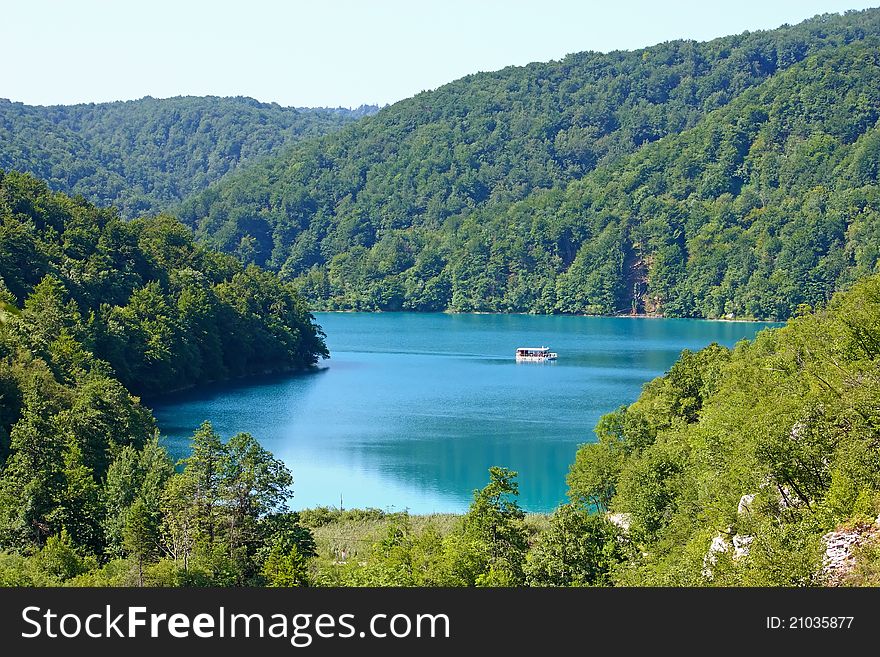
[[356, 530]]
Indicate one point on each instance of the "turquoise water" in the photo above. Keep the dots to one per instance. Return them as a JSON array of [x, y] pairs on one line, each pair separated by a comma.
[[412, 409]]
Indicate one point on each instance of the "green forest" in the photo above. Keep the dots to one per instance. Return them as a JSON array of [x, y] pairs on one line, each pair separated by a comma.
[[93, 311], [733, 178], [728, 470], [145, 156], [736, 178]]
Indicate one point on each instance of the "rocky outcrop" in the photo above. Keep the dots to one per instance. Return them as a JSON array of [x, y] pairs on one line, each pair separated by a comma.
[[741, 546], [720, 543], [745, 504], [838, 559], [621, 520]]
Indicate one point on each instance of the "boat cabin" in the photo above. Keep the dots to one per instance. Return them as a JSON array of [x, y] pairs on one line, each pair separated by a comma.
[[534, 354]]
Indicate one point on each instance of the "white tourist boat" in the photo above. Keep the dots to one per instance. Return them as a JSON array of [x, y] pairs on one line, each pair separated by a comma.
[[534, 354]]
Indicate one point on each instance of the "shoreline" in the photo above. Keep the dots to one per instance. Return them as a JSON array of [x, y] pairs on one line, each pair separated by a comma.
[[743, 320], [195, 387]]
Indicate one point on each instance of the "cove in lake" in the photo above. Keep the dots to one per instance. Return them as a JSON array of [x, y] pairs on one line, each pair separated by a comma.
[[412, 409]]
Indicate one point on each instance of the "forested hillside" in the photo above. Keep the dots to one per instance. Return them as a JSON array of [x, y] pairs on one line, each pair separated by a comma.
[[742, 467], [767, 204], [84, 289], [421, 206], [148, 155], [93, 309], [757, 452], [737, 467]]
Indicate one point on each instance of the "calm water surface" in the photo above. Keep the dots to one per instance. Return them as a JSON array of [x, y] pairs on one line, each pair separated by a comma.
[[412, 409]]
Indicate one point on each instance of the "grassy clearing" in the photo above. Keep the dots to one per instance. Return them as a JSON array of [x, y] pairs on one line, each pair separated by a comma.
[[341, 535]]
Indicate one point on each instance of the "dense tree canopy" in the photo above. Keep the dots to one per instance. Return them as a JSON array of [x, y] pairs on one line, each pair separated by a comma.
[[93, 309], [727, 471], [163, 312], [733, 178], [147, 155], [756, 452], [753, 169], [763, 206]]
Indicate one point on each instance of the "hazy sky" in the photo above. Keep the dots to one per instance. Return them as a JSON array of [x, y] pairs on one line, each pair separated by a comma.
[[331, 52]]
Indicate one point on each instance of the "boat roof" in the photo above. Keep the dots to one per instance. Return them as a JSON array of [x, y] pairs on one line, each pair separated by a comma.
[[533, 348]]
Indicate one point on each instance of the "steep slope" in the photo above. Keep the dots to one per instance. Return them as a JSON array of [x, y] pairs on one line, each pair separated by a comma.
[[82, 289], [147, 155], [736, 466], [370, 217], [767, 204]]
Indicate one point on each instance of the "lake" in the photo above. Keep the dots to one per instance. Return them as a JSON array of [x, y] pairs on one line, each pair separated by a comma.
[[412, 408]]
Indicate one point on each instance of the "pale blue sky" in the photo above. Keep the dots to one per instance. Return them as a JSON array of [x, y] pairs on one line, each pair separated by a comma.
[[331, 52]]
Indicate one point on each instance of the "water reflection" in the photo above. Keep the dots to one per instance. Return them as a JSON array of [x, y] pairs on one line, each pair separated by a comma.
[[412, 409]]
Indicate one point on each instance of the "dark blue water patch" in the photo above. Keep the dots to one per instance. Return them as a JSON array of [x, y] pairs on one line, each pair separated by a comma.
[[412, 409]]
